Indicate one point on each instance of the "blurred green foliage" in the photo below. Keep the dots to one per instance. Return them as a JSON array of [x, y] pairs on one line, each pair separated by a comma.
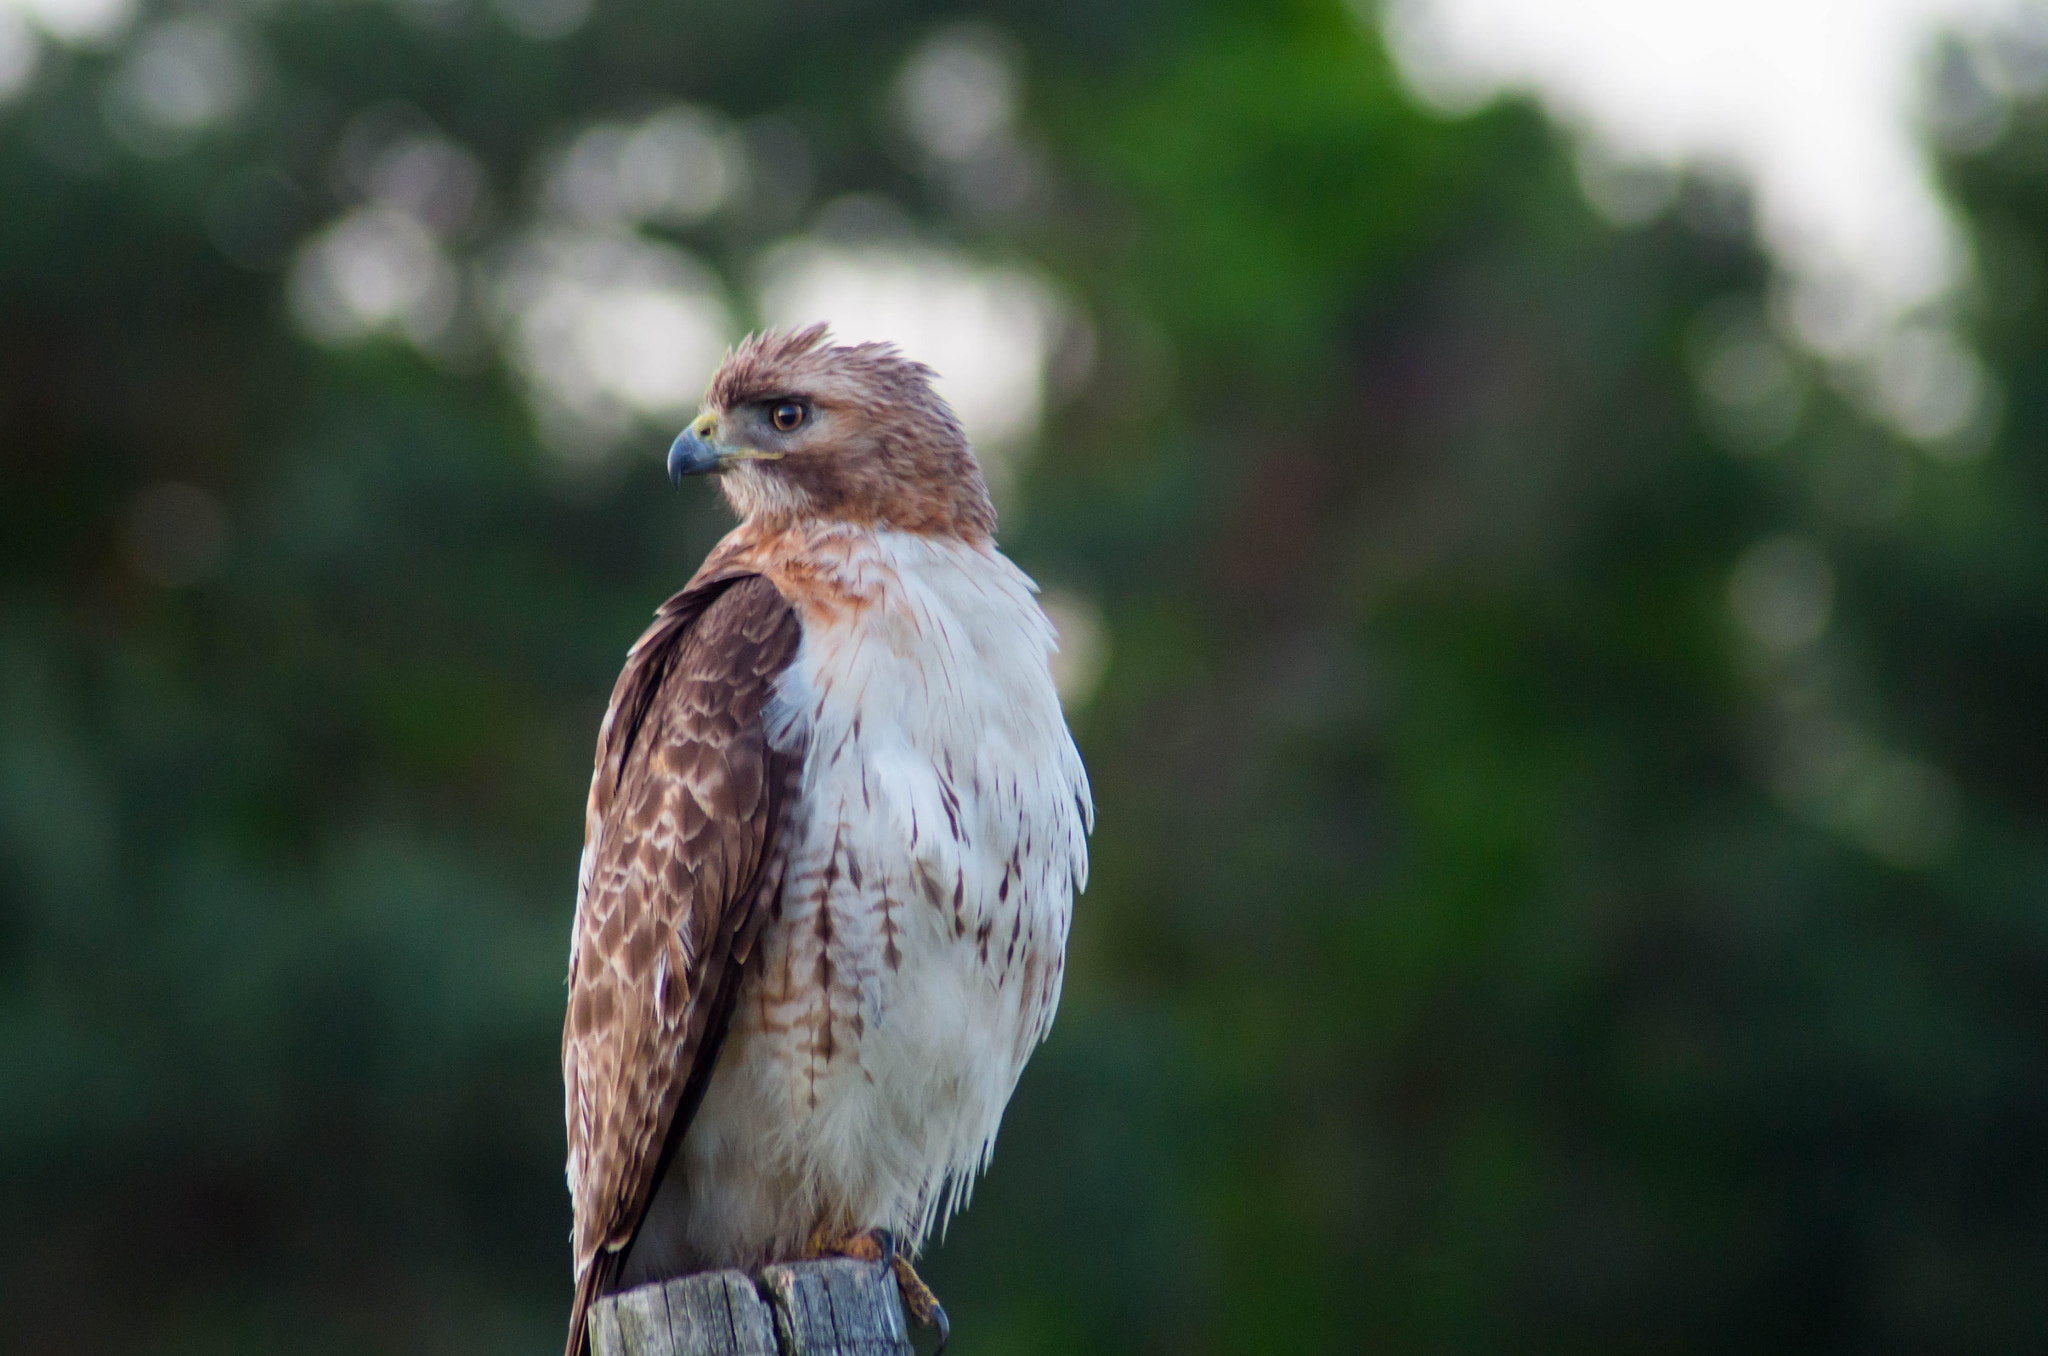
[[1491, 946]]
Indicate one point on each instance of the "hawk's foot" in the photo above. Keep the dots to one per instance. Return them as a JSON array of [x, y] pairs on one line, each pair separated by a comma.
[[879, 1246], [918, 1298]]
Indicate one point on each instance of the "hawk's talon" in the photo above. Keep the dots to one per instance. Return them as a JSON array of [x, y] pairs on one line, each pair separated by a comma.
[[918, 1298]]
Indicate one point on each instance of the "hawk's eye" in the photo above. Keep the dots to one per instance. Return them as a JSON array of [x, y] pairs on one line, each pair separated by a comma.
[[786, 416]]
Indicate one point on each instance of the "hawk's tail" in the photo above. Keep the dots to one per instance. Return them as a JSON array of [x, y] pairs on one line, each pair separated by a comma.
[[590, 1285]]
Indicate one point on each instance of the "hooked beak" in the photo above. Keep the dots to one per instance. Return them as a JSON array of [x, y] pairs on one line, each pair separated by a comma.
[[697, 450], [690, 454]]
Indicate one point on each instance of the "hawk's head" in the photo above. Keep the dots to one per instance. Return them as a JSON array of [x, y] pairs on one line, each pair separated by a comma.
[[800, 429]]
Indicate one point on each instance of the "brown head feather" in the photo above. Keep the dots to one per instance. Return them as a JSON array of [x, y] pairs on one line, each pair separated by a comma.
[[878, 446]]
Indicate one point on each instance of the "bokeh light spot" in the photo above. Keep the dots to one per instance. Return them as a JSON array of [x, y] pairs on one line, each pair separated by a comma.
[[377, 270], [80, 22], [1931, 387], [958, 91], [608, 329], [20, 54], [676, 167], [182, 78], [1753, 393], [1782, 592]]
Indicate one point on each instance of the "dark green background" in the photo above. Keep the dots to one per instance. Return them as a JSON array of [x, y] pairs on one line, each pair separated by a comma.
[[1451, 979]]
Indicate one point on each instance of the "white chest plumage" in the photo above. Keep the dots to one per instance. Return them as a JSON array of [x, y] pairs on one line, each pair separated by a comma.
[[933, 856]]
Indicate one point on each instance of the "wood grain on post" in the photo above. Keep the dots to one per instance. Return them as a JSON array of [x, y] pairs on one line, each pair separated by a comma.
[[836, 1307]]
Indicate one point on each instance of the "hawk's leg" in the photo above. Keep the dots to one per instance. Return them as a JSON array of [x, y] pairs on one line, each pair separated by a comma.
[[879, 1246]]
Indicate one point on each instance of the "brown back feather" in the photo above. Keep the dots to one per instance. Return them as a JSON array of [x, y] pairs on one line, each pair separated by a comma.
[[685, 809]]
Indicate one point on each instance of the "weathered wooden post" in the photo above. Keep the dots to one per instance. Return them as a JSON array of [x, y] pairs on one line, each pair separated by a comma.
[[837, 1307]]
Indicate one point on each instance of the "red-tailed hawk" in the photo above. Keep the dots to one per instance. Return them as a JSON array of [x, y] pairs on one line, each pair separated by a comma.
[[832, 846]]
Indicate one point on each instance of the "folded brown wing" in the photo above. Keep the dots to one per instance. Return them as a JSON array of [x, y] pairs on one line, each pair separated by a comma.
[[681, 865]]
